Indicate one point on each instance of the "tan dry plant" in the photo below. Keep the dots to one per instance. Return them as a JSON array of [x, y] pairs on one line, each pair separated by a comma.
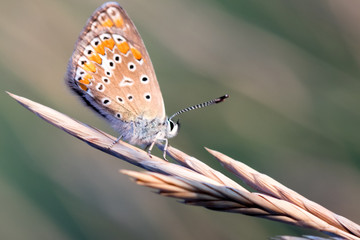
[[196, 183]]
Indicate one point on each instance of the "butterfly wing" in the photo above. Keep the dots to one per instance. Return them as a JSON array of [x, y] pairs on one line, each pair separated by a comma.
[[111, 69]]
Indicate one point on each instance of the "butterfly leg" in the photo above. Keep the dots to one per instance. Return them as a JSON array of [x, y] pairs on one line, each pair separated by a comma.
[[153, 143], [166, 144], [165, 148], [114, 142], [151, 147]]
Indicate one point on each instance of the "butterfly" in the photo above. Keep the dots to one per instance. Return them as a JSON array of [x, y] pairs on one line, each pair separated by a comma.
[[110, 69]]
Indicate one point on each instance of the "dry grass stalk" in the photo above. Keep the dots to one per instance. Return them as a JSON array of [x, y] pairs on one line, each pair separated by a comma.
[[271, 187], [197, 184], [302, 238]]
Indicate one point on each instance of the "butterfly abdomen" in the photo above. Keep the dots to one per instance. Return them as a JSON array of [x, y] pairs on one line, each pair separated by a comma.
[[141, 131]]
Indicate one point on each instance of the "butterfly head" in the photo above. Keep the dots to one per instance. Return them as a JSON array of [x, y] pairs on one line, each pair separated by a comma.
[[172, 128]]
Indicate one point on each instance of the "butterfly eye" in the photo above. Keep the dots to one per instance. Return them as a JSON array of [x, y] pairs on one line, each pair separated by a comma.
[[172, 128], [172, 125]]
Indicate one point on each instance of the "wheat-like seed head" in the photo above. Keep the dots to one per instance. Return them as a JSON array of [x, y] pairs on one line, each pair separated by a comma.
[[196, 183]]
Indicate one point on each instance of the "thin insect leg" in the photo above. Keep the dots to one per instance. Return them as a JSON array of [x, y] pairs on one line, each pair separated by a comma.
[[151, 147], [114, 142], [153, 143], [165, 148]]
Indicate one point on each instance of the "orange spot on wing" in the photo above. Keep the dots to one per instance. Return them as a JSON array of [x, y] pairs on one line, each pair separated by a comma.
[[107, 23], [90, 67], [115, 16], [86, 82], [119, 22], [86, 79], [136, 53], [109, 43], [123, 47], [82, 86], [96, 58], [100, 49]]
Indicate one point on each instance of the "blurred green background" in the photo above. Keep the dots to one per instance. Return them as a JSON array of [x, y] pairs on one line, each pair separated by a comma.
[[290, 67]]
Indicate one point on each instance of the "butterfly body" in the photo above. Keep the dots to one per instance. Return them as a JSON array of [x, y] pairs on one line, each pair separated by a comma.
[[143, 131], [111, 71]]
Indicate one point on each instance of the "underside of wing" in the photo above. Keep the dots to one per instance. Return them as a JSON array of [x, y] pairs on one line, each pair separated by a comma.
[[111, 69]]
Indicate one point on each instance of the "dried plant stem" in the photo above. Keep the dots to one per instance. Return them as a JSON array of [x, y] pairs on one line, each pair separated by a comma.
[[197, 184]]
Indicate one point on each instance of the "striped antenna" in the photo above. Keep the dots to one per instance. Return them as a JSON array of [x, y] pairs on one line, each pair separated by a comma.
[[201, 105]]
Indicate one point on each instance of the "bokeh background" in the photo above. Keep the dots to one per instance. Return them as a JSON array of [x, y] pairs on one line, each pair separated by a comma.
[[290, 67]]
